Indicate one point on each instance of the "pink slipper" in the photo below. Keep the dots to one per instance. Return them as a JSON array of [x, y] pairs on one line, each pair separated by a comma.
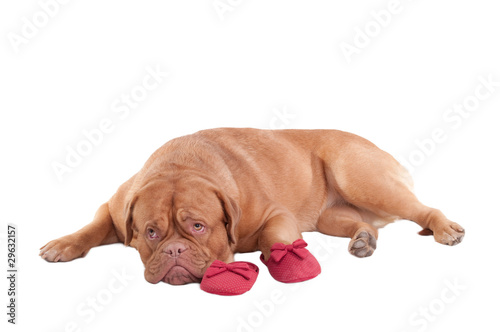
[[292, 262], [229, 279]]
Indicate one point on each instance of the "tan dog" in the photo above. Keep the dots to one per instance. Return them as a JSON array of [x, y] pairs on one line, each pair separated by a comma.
[[209, 195]]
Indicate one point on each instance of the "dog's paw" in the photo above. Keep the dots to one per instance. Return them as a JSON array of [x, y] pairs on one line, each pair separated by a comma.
[[64, 249], [449, 233], [363, 244]]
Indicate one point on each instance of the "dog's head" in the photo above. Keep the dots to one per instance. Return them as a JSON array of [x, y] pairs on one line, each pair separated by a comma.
[[180, 228]]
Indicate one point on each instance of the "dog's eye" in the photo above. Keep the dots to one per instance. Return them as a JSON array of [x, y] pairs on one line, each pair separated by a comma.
[[152, 234], [198, 227]]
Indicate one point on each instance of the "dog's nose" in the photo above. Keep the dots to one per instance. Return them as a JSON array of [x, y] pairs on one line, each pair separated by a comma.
[[175, 249]]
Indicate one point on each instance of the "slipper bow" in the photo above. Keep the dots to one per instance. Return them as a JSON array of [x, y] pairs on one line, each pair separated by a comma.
[[291, 262], [229, 279]]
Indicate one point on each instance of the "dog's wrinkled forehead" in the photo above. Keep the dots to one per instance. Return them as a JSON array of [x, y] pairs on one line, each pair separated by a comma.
[[198, 204], [153, 201], [164, 202]]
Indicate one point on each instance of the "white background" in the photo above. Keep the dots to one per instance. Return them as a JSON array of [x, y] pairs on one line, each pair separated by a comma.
[[262, 59]]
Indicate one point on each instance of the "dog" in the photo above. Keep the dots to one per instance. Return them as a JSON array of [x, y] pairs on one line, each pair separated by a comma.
[[209, 195]]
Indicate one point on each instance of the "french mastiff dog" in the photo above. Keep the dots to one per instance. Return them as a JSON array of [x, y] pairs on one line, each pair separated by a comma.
[[206, 196]]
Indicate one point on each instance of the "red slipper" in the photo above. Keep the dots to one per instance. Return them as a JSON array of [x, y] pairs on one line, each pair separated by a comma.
[[292, 262], [229, 279]]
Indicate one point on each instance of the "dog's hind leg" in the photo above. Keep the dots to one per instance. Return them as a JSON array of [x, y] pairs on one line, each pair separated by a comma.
[[345, 221], [372, 180], [100, 231]]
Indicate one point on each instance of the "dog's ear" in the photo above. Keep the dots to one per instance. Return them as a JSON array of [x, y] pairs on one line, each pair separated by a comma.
[[232, 214], [128, 220]]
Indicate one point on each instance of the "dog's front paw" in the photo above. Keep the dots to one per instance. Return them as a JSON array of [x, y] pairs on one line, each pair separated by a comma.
[[449, 233], [363, 244], [64, 249]]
